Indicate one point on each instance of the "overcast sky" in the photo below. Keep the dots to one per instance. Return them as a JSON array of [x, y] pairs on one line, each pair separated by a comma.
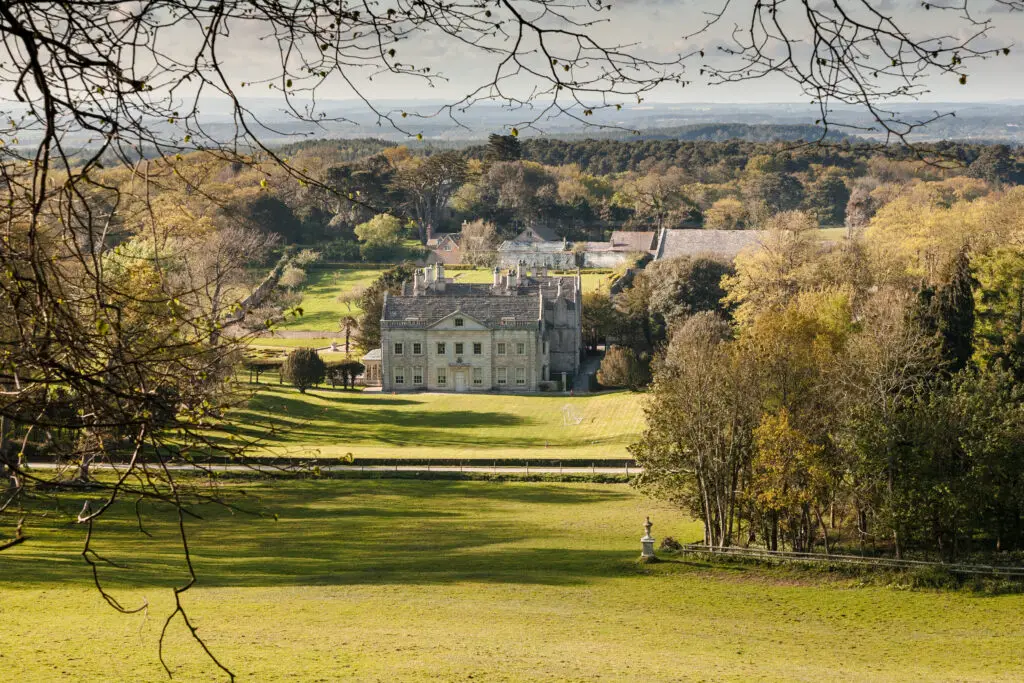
[[658, 28]]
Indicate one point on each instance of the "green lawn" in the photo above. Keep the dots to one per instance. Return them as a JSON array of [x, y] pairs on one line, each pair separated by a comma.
[[591, 281], [333, 423], [320, 305], [381, 580]]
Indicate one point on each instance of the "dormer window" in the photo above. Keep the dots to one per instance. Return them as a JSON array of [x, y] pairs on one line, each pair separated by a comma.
[[459, 322]]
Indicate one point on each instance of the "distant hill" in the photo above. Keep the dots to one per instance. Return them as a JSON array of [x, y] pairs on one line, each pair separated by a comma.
[[764, 132]]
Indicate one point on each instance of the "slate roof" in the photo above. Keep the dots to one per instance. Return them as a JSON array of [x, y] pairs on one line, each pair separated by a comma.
[[544, 233], [624, 240], [727, 243], [489, 310], [373, 354]]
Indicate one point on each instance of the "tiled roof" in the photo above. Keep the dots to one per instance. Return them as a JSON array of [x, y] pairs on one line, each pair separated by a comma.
[[478, 301], [544, 233], [489, 310], [623, 240], [719, 242]]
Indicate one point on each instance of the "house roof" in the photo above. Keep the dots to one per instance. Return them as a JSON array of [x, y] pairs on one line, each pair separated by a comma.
[[727, 243], [373, 354], [488, 310], [442, 236], [545, 234], [479, 301], [625, 240]]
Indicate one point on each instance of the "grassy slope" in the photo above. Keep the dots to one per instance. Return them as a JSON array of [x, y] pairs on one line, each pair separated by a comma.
[[321, 309], [418, 581], [333, 423]]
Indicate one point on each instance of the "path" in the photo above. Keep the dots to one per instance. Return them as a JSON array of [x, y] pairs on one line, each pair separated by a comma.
[[479, 468], [588, 367]]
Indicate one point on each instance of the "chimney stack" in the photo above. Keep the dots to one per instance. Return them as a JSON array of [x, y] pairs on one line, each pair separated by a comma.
[[497, 276]]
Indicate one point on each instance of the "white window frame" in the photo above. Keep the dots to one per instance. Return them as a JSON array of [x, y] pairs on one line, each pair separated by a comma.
[[399, 348], [502, 376], [520, 349], [478, 348], [442, 348], [502, 348], [442, 377], [478, 376], [460, 322], [417, 375], [417, 348], [459, 348], [520, 376], [400, 376]]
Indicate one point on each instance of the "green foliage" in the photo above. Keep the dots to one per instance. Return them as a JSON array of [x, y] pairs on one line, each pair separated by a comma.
[[304, 369], [381, 237], [827, 200], [372, 303], [999, 307], [503, 148]]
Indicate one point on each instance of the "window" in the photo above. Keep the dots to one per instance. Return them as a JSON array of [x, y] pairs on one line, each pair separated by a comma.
[[399, 375], [440, 348], [417, 349], [417, 374], [502, 375], [520, 375], [478, 376], [458, 348], [501, 348], [399, 348], [520, 348], [478, 348], [442, 376], [459, 322]]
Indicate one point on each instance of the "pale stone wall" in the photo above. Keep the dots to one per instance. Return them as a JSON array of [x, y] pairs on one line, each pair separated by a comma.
[[532, 361]]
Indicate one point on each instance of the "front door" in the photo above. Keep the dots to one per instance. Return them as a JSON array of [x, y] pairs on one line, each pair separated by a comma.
[[460, 381]]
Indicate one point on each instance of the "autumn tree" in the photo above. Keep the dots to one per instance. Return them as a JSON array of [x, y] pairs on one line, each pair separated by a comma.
[[621, 367]]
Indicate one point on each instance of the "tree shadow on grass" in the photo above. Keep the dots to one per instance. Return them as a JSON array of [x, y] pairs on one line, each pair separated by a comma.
[[325, 533]]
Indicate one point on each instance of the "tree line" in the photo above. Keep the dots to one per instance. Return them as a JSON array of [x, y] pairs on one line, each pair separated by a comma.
[[863, 395]]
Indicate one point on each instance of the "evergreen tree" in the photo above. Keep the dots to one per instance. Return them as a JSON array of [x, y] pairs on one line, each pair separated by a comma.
[[954, 315], [304, 368], [503, 148]]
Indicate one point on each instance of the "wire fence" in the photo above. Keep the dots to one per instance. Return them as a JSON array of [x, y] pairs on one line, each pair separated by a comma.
[[853, 560]]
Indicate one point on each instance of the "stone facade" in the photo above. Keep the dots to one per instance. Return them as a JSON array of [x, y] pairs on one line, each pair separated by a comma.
[[510, 335]]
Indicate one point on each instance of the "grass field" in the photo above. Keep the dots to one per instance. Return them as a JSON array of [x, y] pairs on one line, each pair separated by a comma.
[[591, 281], [333, 423], [321, 309], [383, 580]]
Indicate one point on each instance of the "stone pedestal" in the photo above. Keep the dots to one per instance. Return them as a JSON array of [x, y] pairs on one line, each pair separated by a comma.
[[647, 544]]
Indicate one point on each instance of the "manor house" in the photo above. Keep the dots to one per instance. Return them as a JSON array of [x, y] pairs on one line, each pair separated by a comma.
[[519, 333]]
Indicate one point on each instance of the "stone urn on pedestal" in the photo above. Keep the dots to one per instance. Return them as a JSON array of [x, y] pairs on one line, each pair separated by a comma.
[[647, 544]]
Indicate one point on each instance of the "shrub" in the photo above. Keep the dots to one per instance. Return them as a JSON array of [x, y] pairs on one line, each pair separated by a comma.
[[304, 368], [669, 543], [621, 368]]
